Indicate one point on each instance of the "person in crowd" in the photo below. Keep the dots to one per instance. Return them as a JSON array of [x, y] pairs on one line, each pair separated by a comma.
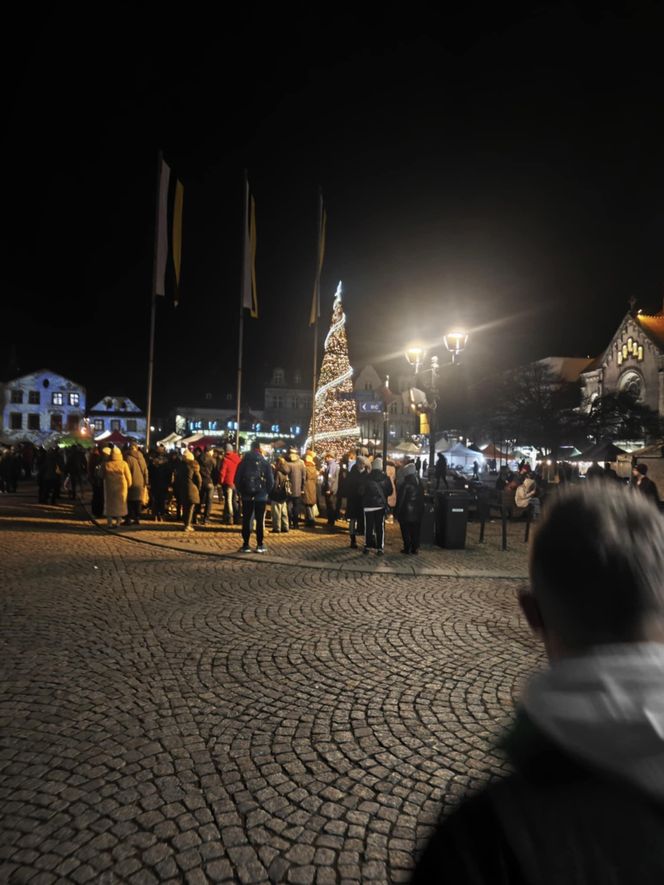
[[279, 496], [375, 487], [391, 472], [354, 509], [425, 468], [27, 459], [218, 458], [203, 510], [229, 468], [526, 496], [188, 482], [644, 484], [50, 473], [310, 491], [418, 465], [98, 456], [441, 470], [160, 476], [75, 468], [254, 480], [117, 479], [476, 470], [174, 460], [410, 508], [331, 488], [297, 474], [595, 471], [139, 483], [583, 800], [610, 473]]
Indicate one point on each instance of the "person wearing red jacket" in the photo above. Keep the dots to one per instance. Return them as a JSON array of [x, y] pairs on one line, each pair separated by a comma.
[[228, 470]]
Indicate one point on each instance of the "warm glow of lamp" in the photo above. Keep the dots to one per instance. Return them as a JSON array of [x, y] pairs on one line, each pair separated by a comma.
[[456, 341], [415, 354]]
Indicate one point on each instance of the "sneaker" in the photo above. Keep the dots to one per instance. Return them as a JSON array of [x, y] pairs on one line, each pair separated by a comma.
[[244, 550], [189, 528], [261, 549], [380, 553]]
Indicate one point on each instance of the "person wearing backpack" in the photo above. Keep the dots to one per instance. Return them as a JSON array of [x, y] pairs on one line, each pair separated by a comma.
[[374, 489], [278, 497], [254, 481]]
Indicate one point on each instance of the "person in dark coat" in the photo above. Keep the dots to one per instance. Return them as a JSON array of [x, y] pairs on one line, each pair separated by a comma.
[[160, 475], [354, 509], [207, 466], [254, 481], [310, 492], [585, 800], [75, 468], [297, 473], [188, 481], [410, 508], [644, 485], [441, 470], [51, 471], [374, 490]]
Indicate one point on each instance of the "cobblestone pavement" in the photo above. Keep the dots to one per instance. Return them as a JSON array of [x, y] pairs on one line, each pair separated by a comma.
[[167, 717]]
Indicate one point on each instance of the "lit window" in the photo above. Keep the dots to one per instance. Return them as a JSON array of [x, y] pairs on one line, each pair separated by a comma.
[[74, 399], [57, 399], [98, 424], [115, 423], [17, 396]]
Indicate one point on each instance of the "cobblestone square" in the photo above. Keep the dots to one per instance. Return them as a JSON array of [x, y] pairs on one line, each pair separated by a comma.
[[175, 712]]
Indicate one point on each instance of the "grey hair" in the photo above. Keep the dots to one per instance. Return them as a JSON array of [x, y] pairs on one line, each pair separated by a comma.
[[597, 565]]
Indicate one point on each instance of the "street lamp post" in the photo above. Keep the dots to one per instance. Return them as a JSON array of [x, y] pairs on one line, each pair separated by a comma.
[[455, 343]]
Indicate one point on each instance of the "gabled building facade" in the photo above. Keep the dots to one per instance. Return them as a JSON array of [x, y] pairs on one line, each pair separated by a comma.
[[402, 423], [118, 413], [41, 403], [633, 362]]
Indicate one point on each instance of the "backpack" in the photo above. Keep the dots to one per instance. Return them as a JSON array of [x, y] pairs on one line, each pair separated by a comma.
[[253, 483]]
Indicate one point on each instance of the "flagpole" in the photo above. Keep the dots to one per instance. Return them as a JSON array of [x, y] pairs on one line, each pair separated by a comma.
[[317, 313], [153, 310], [245, 226]]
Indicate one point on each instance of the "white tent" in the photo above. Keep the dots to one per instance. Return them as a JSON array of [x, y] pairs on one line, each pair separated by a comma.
[[461, 456], [171, 440]]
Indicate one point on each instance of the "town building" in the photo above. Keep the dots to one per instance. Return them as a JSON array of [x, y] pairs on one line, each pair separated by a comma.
[[118, 413], [368, 387], [633, 362], [287, 407], [41, 403]]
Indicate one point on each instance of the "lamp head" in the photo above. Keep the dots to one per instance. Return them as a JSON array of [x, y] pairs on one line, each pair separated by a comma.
[[415, 353]]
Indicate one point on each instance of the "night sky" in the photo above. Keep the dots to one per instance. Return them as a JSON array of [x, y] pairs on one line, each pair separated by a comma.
[[502, 171]]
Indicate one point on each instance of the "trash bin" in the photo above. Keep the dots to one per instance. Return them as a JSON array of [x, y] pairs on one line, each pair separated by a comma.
[[452, 518], [427, 529]]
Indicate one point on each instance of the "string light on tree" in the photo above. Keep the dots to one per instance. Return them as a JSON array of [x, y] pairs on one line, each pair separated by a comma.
[[335, 416]]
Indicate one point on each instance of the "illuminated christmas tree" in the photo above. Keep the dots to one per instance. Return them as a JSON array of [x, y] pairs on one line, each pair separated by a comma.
[[334, 426]]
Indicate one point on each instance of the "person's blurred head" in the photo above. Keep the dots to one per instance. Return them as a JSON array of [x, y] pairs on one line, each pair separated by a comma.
[[377, 464], [256, 446], [597, 571]]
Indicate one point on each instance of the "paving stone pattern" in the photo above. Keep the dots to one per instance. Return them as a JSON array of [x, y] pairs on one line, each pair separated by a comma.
[[166, 717]]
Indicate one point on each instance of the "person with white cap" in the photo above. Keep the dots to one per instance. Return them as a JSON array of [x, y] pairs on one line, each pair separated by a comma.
[[375, 487], [188, 481], [117, 482]]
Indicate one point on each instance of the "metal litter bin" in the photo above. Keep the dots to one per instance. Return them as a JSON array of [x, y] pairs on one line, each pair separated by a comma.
[[452, 518], [427, 529]]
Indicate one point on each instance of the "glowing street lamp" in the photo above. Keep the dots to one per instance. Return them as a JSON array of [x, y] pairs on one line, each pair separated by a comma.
[[455, 342], [415, 355]]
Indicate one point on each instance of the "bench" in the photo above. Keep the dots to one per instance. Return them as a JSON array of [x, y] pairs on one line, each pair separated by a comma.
[[501, 504]]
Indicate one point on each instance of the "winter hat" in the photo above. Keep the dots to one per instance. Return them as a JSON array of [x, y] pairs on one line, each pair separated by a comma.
[[408, 470], [188, 456], [229, 448], [642, 468], [377, 464], [106, 451], [116, 454]]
